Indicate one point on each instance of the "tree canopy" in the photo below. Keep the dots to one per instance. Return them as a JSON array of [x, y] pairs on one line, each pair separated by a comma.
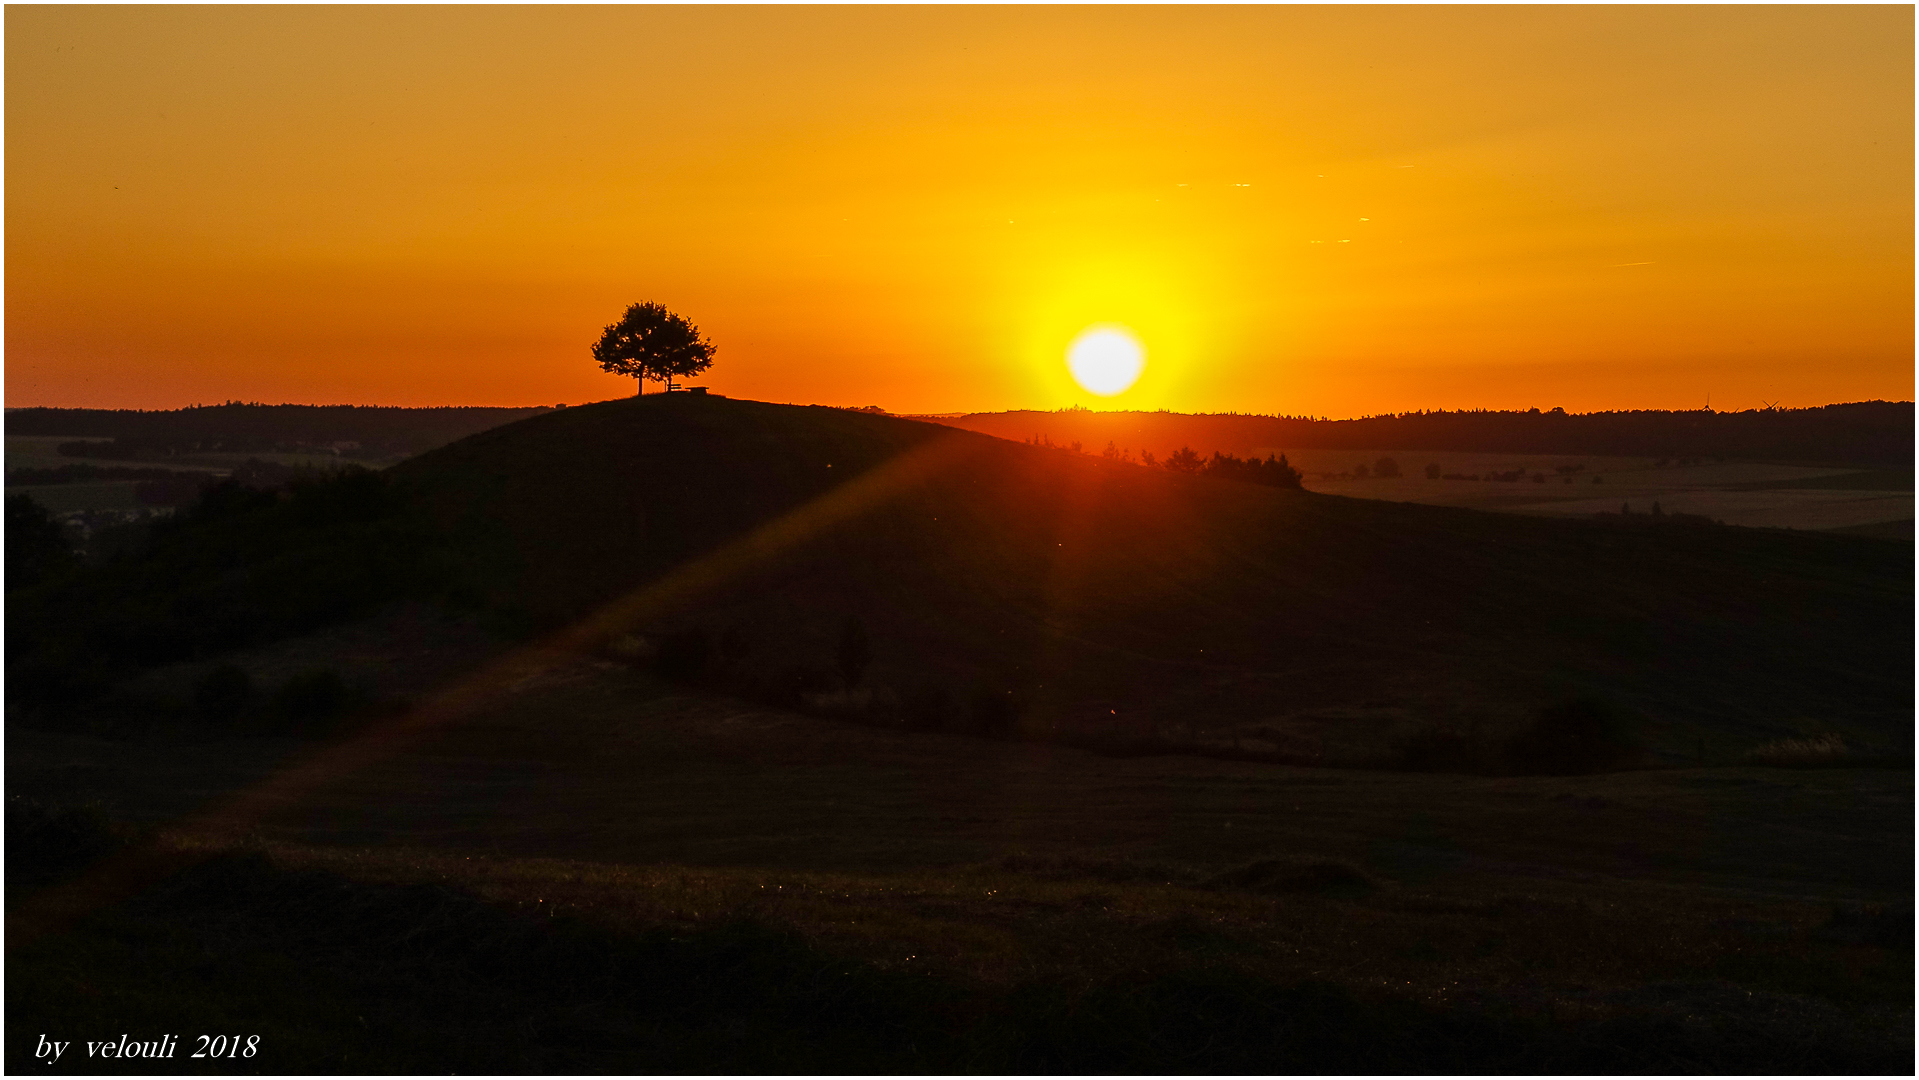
[[650, 342]]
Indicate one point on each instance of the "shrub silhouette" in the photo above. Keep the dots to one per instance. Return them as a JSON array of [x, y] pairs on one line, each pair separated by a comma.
[[221, 695], [1576, 737], [734, 646], [1322, 877], [928, 707], [1432, 471], [1271, 472], [310, 699], [855, 651], [45, 843], [1386, 468], [36, 547], [1184, 460], [995, 713], [1814, 751], [683, 656], [1441, 749]]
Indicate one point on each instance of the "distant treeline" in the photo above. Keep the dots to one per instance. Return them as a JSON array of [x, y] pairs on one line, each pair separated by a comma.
[[356, 431], [87, 474], [1862, 433], [163, 487], [238, 566], [1271, 472]]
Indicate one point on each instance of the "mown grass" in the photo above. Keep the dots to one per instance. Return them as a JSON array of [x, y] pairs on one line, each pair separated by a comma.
[[423, 961]]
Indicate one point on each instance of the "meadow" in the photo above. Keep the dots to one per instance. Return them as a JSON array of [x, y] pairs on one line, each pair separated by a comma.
[[1755, 494], [604, 873]]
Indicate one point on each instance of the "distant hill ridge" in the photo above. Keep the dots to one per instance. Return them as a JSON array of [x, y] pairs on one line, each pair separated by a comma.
[[1859, 433], [379, 430]]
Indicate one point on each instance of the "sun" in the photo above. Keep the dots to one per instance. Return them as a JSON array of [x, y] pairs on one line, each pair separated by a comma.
[[1106, 360]]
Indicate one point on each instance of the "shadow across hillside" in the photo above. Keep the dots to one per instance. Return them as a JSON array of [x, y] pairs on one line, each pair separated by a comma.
[[1013, 591]]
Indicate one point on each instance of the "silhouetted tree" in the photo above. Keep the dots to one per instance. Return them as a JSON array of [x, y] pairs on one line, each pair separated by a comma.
[[1359, 471], [1281, 473], [36, 546], [1271, 472], [1386, 468], [650, 342], [856, 650], [1432, 471], [1184, 460], [222, 694]]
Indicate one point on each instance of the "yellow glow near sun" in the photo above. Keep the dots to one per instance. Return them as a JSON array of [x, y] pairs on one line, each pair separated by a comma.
[[1106, 360]]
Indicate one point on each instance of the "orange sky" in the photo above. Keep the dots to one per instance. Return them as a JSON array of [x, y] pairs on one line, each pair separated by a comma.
[[1328, 211]]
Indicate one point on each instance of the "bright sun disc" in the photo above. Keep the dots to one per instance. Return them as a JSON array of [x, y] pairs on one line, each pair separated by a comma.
[[1105, 359]]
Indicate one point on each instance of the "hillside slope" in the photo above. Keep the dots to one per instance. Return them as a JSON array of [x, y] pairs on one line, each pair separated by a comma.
[[1086, 592]]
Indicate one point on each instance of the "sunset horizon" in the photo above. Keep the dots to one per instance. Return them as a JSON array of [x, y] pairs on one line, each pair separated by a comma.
[[1335, 212], [991, 540]]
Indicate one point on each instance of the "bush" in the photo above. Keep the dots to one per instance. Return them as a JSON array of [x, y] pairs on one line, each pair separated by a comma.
[[1812, 752], [48, 843], [855, 651], [1184, 460], [1386, 468], [1574, 738], [1441, 749], [1273, 472], [312, 698], [683, 656], [790, 687], [928, 708], [995, 713], [1315, 877], [222, 695], [36, 545]]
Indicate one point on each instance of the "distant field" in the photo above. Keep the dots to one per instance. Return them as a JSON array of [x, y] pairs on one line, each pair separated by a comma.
[[42, 452], [1735, 492], [103, 495]]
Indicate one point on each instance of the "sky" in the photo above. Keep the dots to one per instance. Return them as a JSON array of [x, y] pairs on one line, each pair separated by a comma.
[[1329, 211]]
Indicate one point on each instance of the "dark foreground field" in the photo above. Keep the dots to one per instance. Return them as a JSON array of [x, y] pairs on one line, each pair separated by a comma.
[[694, 735], [596, 873]]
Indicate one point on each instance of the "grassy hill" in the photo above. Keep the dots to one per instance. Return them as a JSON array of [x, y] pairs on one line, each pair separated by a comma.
[[547, 861], [1045, 591]]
